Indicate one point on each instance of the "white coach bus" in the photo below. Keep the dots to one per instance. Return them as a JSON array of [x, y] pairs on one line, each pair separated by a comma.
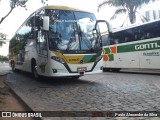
[[58, 41], [137, 46]]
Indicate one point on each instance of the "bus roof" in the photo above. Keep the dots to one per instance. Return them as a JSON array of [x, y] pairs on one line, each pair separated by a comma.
[[133, 26], [59, 7]]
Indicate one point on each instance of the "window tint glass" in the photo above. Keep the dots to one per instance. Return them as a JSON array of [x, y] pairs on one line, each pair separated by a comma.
[[63, 33], [146, 31]]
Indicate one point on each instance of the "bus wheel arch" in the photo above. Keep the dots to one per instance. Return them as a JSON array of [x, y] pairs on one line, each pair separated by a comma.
[[34, 68]]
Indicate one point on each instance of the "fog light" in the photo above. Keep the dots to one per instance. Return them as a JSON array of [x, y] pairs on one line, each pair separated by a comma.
[[54, 70]]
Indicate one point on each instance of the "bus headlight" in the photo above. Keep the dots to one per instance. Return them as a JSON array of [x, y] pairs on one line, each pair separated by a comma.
[[98, 58], [58, 59]]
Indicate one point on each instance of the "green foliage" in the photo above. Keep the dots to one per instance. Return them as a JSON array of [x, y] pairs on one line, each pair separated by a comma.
[[13, 5], [17, 3], [3, 58], [2, 37], [1, 43], [125, 6]]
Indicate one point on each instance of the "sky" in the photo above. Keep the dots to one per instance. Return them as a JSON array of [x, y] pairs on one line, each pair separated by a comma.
[[19, 15]]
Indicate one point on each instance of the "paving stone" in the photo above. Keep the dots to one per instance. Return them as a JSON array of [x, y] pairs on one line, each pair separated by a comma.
[[99, 92]]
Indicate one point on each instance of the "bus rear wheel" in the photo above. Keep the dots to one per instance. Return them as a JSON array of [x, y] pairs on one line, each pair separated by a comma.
[[115, 69], [106, 69], [34, 70], [13, 66]]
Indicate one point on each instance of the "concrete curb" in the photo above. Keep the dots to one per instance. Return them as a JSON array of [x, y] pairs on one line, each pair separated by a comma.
[[2, 74]]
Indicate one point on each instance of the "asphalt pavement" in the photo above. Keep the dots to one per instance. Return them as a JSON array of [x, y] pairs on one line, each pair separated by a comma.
[[4, 68]]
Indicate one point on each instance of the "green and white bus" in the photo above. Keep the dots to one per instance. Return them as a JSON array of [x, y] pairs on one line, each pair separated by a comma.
[[137, 46], [58, 41]]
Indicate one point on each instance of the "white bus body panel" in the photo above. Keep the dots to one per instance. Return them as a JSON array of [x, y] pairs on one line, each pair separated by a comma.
[[51, 64], [135, 59], [124, 60], [150, 62]]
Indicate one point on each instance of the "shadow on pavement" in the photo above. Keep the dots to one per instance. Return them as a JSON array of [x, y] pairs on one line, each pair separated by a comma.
[[142, 72], [54, 80]]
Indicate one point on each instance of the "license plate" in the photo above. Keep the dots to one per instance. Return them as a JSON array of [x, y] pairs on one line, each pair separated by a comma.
[[81, 69]]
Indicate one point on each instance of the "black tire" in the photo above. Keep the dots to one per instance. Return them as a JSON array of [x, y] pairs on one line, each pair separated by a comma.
[[34, 70], [13, 66], [106, 69], [115, 69]]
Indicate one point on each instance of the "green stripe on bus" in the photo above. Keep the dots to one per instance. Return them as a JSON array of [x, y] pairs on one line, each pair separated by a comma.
[[88, 58], [91, 58], [139, 46]]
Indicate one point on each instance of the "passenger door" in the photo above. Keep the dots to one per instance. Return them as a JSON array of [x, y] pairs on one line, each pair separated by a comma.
[[42, 46]]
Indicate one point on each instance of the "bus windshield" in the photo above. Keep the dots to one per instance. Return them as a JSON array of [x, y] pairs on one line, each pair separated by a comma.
[[72, 30]]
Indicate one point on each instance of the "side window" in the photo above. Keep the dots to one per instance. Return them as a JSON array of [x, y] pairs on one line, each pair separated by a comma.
[[20, 47], [30, 28], [27, 30], [14, 46], [105, 40], [42, 43], [142, 33], [129, 35], [139, 33], [24, 33], [18, 43], [41, 36], [155, 29], [115, 38]]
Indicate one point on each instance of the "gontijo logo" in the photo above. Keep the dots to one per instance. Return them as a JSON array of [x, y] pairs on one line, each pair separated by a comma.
[[147, 46]]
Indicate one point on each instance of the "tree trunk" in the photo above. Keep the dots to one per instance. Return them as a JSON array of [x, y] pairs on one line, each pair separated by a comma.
[[132, 17], [6, 15]]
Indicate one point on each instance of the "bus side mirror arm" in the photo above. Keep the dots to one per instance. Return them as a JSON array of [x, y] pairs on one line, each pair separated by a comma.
[[107, 23]]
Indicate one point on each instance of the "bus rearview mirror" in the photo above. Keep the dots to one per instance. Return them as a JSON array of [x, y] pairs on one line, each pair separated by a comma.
[[46, 23]]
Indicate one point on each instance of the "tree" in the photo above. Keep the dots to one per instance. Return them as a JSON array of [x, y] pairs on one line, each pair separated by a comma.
[[125, 6], [3, 58], [14, 4], [2, 38]]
